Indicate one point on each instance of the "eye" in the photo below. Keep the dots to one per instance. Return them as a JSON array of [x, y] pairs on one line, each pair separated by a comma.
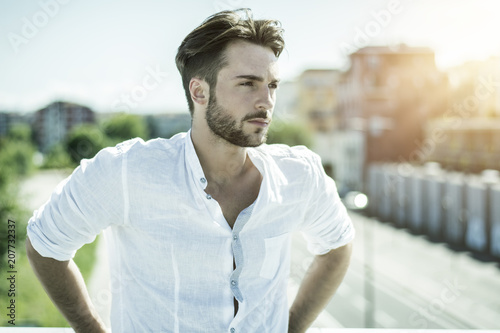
[[247, 84], [273, 85]]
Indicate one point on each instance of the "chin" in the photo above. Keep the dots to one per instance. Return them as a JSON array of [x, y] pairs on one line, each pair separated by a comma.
[[259, 142]]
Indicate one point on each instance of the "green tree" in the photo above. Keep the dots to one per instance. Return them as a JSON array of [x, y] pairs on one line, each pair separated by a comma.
[[16, 160], [17, 150], [20, 132], [7, 207], [9, 210], [289, 133], [124, 127], [57, 157], [85, 141], [17, 156]]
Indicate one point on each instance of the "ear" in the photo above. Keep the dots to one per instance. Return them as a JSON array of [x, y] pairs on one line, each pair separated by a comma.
[[199, 91]]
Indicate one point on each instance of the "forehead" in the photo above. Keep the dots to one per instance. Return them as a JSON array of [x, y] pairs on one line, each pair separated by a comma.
[[245, 58]]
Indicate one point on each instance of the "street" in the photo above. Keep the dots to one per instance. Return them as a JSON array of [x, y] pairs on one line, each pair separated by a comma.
[[399, 280], [396, 280], [36, 190]]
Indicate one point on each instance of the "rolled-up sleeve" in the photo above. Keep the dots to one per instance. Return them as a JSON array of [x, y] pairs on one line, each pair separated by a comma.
[[88, 201], [327, 225]]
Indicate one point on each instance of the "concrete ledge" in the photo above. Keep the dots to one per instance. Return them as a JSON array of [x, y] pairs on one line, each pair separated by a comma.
[[312, 330]]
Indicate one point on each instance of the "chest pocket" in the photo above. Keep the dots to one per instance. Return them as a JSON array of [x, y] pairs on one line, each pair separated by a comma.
[[272, 260]]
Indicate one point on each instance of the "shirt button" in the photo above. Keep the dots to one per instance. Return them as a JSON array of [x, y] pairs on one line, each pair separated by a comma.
[[235, 237], [203, 180], [233, 283], [232, 330], [209, 196]]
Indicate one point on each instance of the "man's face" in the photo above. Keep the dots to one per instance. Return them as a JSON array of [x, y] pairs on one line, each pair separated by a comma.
[[241, 109]]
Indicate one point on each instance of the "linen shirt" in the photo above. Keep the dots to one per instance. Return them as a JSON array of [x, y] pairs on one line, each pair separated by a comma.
[[170, 249]]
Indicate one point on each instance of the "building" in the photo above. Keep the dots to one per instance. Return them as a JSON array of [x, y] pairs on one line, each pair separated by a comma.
[[286, 102], [317, 99], [9, 119], [463, 145], [474, 87], [316, 108], [52, 123], [466, 137], [342, 154], [387, 96]]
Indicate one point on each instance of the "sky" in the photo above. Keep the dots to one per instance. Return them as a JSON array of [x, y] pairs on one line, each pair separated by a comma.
[[119, 55]]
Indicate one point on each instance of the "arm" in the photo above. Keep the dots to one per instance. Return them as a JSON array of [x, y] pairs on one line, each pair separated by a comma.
[[64, 284], [320, 282]]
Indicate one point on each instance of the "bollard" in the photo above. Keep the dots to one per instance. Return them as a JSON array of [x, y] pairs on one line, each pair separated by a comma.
[[476, 232], [479, 206], [476, 228], [433, 188], [490, 178], [415, 216], [373, 175], [386, 192], [454, 208], [401, 200], [495, 220]]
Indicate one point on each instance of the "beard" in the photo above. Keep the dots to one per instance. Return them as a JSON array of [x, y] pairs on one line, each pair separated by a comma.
[[223, 125]]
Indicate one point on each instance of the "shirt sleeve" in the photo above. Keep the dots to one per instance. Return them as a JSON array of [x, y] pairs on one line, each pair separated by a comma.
[[88, 201], [327, 224]]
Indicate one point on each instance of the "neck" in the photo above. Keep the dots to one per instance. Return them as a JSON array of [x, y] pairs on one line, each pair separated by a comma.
[[222, 162]]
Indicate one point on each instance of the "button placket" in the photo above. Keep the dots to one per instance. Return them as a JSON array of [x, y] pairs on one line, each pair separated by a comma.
[[234, 281]]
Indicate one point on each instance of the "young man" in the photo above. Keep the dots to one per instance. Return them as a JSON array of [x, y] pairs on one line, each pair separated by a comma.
[[198, 226]]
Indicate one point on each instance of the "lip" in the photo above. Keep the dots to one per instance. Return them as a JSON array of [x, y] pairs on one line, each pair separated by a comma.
[[260, 122]]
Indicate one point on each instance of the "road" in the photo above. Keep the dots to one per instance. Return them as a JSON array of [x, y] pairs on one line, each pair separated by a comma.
[[36, 190], [396, 280], [404, 281]]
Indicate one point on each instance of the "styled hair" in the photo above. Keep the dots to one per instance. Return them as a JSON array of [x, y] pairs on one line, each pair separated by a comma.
[[202, 53]]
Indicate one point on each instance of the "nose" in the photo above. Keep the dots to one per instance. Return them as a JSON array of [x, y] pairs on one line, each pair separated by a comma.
[[266, 99]]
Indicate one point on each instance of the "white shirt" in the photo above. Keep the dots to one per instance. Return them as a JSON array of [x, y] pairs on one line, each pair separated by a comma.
[[171, 250]]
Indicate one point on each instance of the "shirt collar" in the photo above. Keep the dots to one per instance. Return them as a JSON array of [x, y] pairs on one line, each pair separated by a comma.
[[195, 166], [193, 162]]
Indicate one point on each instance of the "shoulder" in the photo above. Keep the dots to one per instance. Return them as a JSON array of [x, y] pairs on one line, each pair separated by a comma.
[[138, 148], [135, 152], [296, 158], [280, 152]]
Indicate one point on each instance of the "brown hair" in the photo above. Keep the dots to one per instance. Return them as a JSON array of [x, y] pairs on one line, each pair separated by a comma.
[[201, 53]]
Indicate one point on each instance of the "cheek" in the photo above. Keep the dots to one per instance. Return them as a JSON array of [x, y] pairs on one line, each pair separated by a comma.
[[235, 99]]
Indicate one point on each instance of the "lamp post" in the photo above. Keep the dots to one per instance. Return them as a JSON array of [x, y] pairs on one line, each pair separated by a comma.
[[358, 201], [369, 289]]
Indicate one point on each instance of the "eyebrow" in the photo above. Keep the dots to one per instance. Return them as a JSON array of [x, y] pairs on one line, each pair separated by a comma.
[[254, 78]]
